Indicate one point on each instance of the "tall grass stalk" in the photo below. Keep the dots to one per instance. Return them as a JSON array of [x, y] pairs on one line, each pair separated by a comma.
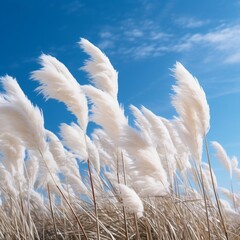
[[125, 182], [52, 213], [205, 202], [94, 199], [214, 188]]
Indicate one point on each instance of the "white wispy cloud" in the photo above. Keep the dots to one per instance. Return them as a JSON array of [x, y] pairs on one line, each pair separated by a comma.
[[139, 39], [225, 92], [106, 44], [72, 6], [223, 38], [189, 22], [106, 34], [135, 39], [223, 43], [233, 58]]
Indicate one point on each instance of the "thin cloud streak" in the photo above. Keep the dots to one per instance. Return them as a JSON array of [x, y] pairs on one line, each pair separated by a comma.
[[224, 93], [146, 39], [185, 22]]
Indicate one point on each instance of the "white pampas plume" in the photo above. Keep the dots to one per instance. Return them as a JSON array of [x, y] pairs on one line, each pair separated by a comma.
[[80, 144], [155, 134], [73, 138], [48, 170], [58, 83], [104, 94], [227, 193], [237, 171], [24, 120], [77, 184], [160, 131], [222, 156], [37, 202], [165, 146], [182, 156], [143, 124], [20, 117], [191, 104], [13, 154], [32, 168], [67, 163], [230, 195], [64, 159], [231, 215], [207, 178], [100, 70], [7, 183], [93, 154], [189, 91], [105, 105], [57, 150], [131, 200], [234, 162], [146, 159], [148, 186], [106, 148]]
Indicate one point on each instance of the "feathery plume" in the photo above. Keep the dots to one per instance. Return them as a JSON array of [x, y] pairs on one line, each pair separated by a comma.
[[222, 156], [67, 163], [227, 193], [73, 138], [165, 146], [104, 105], [207, 177], [101, 71], [189, 91], [182, 155], [143, 124], [80, 144], [32, 168], [131, 200], [93, 154], [234, 162], [191, 104], [231, 215], [7, 183], [104, 94], [148, 186], [21, 118], [107, 150], [146, 159], [13, 154], [58, 83]]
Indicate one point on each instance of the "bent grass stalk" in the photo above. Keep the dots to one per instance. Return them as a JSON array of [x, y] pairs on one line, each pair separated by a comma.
[[123, 207], [93, 191], [214, 188], [94, 199], [52, 213], [205, 203]]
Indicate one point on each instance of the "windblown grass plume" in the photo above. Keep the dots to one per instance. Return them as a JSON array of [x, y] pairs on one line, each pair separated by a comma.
[[146, 180]]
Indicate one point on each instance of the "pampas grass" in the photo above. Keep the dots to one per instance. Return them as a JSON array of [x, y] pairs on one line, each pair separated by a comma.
[[146, 180]]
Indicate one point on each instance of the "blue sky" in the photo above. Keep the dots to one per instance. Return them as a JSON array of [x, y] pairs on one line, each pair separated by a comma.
[[143, 40]]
